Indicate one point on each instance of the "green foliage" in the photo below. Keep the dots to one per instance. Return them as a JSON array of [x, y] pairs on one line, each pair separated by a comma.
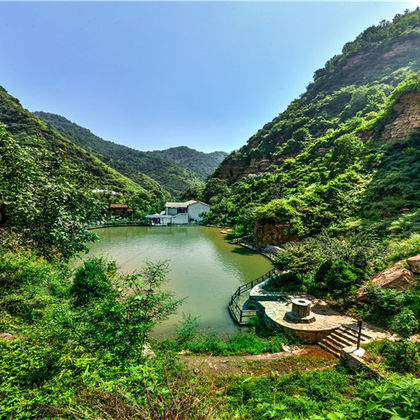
[[117, 323], [91, 281], [24, 125], [342, 279], [28, 284], [403, 248], [323, 395], [285, 282], [44, 201], [325, 264], [187, 330], [396, 356], [210, 344], [346, 148], [384, 306], [405, 323]]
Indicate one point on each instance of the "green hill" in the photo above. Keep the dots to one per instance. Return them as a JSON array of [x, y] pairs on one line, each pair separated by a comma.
[[174, 177], [343, 155], [203, 164], [23, 124]]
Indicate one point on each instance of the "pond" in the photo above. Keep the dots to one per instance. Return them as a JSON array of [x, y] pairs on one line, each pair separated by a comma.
[[203, 268]]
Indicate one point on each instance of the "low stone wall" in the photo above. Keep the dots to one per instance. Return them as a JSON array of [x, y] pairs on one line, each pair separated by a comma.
[[116, 225], [356, 363]]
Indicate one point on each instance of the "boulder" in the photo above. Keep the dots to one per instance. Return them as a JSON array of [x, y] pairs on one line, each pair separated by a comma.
[[414, 263], [396, 276]]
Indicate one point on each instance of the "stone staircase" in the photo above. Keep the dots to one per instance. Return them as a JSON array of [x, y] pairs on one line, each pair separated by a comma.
[[340, 338]]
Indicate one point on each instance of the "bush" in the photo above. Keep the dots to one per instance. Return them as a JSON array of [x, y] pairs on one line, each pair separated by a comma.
[[384, 304], [187, 330], [285, 282], [398, 356], [342, 279], [91, 281], [405, 323], [117, 324], [404, 248]]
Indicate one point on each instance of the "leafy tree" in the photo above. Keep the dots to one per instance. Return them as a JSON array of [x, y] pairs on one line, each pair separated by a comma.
[[44, 200], [118, 321]]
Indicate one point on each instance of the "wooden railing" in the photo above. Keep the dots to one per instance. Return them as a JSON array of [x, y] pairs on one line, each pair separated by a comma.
[[240, 315]]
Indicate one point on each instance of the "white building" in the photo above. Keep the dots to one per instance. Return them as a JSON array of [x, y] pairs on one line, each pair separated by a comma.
[[180, 213]]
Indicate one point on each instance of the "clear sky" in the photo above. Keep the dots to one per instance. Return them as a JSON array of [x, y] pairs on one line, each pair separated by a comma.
[[157, 75]]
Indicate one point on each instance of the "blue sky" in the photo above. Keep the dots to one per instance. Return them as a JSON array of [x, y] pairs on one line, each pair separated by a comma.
[[157, 75]]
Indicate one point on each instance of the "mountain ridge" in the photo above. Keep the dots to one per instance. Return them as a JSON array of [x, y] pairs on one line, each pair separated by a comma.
[[172, 175], [23, 124]]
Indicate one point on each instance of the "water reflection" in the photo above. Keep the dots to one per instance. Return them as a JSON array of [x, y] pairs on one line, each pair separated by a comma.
[[204, 268]]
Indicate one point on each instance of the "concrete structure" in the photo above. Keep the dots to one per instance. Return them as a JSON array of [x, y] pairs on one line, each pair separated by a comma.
[[294, 312], [180, 213]]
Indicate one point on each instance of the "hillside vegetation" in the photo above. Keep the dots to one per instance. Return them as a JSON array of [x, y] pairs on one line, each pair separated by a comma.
[[149, 169], [344, 155], [75, 341], [25, 126], [202, 164]]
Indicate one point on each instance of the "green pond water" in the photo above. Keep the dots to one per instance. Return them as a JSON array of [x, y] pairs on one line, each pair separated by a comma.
[[203, 268]]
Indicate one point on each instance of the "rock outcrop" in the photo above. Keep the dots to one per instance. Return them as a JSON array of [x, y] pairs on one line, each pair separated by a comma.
[[414, 263], [408, 119], [396, 276], [270, 232]]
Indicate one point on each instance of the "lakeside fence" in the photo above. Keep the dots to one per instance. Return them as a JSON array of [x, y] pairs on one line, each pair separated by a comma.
[[239, 314]]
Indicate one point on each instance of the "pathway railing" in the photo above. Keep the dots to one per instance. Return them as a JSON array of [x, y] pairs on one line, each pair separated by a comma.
[[239, 314]]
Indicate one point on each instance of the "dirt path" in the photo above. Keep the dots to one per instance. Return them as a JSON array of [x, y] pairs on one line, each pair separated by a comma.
[[306, 358]]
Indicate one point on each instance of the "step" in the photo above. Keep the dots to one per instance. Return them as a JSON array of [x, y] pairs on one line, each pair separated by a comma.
[[344, 342], [331, 344], [330, 349], [335, 342], [355, 332], [345, 336]]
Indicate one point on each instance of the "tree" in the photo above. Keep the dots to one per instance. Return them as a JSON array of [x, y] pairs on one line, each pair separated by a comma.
[[43, 200], [119, 321]]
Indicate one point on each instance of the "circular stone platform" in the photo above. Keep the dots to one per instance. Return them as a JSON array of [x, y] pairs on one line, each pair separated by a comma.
[[277, 314], [276, 307]]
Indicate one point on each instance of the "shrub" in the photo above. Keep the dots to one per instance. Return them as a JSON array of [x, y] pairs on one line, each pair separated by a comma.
[[405, 323], [285, 282], [342, 279], [118, 323], [402, 356], [91, 281], [187, 330], [399, 356]]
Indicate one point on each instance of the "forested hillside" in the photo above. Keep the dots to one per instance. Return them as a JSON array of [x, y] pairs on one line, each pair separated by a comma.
[[203, 164], [26, 126], [342, 156], [174, 178]]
